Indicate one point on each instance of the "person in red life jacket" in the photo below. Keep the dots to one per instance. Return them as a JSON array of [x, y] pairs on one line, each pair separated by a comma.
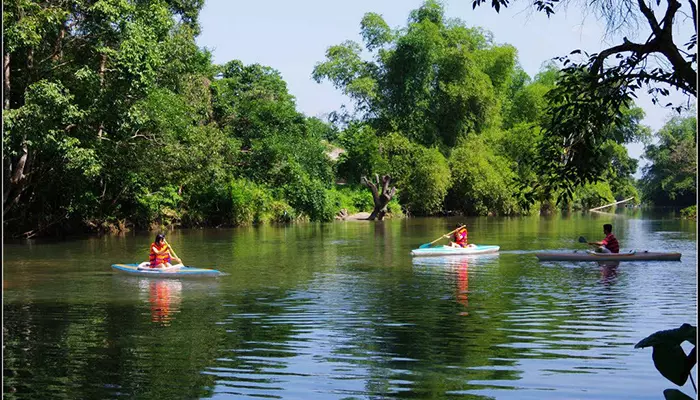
[[460, 237], [609, 244], [160, 253]]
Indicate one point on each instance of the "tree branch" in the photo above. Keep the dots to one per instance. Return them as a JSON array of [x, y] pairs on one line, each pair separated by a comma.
[[626, 46], [673, 6], [371, 186], [655, 28], [656, 78]]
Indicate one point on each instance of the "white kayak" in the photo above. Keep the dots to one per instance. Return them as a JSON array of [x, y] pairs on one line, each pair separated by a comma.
[[449, 250], [587, 255]]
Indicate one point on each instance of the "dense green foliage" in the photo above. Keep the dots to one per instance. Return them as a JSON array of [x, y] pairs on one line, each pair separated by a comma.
[[690, 212], [671, 177], [114, 117], [593, 90], [442, 85]]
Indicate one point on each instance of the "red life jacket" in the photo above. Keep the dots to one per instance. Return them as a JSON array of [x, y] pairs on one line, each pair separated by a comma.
[[461, 237], [156, 259], [611, 243]]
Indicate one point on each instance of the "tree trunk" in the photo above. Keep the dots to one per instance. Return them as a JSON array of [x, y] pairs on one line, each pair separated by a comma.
[[6, 81], [15, 179], [380, 199], [103, 68], [58, 47]]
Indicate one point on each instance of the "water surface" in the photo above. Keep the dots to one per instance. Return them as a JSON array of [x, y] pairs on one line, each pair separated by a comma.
[[342, 311]]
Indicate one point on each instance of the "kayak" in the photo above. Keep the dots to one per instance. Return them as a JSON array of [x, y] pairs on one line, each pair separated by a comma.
[[176, 271], [449, 250], [587, 255]]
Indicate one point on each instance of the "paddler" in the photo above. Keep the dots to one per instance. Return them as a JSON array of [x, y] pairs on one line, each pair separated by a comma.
[[160, 253], [459, 236], [609, 244]]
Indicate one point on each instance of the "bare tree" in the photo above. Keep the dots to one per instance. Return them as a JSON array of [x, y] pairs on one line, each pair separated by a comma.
[[380, 199]]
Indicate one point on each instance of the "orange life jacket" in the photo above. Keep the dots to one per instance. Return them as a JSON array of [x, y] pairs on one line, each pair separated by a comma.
[[461, 237], [156, 259]]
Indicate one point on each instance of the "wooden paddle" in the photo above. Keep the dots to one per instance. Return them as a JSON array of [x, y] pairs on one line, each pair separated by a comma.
[[172, 251], [449, 233]]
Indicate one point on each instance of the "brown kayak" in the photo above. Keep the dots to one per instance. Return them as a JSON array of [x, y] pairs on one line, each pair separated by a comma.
[[587, 255]]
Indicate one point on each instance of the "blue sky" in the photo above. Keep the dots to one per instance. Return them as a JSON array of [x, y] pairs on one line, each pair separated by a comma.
[[292, 36]]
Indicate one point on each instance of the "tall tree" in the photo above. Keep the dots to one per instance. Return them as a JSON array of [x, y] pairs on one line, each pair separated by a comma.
[[434, 81]]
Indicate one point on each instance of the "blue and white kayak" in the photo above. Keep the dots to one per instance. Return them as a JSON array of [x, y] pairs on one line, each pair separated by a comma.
[[176, 271], [461, 251]]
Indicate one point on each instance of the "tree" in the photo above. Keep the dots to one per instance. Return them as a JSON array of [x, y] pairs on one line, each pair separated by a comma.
[[434, 81], [77, 76], [633, 69], [422, 174], [381, 194], [671, 177], [482, 182], [590, 95]]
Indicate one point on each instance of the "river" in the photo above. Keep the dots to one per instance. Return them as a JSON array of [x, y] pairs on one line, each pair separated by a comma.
[[342, 311]]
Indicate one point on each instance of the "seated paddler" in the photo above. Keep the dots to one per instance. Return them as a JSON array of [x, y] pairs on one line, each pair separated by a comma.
[[160, 256], [459, 236]]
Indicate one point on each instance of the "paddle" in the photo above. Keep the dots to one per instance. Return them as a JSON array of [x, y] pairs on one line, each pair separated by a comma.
[[173, 251], [582, 239], [449, 233]]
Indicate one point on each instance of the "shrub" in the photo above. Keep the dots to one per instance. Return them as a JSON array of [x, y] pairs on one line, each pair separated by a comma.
[[160, 206], [482, 182], [690, 212], [250, 203], [592, 195], [421, 174], [308, 196]]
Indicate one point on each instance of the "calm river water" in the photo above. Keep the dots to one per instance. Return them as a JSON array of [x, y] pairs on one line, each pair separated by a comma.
[[342, 311]]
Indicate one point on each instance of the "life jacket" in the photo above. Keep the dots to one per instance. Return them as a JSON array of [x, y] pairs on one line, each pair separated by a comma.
[[611, 243], [156, 259], [461, 237]]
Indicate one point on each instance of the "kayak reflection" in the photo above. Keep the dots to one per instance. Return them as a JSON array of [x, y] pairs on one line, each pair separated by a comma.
[[164, 297], [608, 271], [463, 284]]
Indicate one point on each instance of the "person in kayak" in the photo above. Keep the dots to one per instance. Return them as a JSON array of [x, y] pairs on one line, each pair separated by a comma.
[[460, 236], [609, 244], [160, 253]]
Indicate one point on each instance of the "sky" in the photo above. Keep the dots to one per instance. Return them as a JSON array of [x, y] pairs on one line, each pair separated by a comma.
[[292, 36]]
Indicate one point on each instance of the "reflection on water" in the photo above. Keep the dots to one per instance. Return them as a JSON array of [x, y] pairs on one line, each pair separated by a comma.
[[164, 296], [338, 311], [608, 271], [463, 285]]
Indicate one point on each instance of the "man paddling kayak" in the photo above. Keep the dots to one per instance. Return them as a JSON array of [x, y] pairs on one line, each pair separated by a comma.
[[160, 253], [609, 244]]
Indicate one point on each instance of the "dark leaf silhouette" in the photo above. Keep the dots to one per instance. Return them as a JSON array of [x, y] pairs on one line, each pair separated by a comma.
[[670, 361]]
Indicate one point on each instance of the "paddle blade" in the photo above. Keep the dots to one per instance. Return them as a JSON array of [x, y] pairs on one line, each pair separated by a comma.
[[582, 239], [423, 246]]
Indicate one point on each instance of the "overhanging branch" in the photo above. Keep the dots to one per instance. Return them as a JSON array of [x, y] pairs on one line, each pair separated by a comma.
[[649, 16], [627, 46]]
